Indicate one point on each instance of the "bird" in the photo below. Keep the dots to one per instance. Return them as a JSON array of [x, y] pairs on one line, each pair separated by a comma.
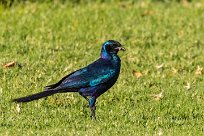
[[91, 81]]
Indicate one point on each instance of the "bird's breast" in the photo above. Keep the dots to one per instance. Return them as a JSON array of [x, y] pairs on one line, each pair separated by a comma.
[[116, 61]]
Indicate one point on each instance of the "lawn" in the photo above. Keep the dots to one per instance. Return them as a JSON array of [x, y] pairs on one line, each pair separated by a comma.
[[160, 90]]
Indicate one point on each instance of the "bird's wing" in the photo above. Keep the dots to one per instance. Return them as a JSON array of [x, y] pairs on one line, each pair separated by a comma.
[[94, 74]]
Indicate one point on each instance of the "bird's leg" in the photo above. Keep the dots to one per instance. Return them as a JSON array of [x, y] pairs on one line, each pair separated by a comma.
[[92, 106], [85, 97]]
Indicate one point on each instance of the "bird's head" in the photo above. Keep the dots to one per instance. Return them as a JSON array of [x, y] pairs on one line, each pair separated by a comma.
[[111, 47]]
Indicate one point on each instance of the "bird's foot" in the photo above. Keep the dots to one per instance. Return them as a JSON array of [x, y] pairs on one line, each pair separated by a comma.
[[93, 115]]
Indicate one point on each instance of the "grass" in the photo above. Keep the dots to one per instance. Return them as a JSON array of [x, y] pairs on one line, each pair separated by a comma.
[[165, 47]]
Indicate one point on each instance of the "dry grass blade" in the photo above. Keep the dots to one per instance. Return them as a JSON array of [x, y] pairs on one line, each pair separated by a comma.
[[159, 66], [10, 64], [18, 108]]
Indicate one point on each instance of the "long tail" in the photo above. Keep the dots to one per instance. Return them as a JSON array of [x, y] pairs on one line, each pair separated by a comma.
[[35, 96]]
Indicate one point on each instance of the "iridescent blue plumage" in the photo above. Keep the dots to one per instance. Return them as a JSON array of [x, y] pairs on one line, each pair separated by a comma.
[[91, 81]]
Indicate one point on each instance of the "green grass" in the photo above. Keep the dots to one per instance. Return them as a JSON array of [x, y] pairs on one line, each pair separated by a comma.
[[49, 41]]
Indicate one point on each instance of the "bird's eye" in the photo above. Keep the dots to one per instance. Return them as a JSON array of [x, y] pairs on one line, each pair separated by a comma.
[[108, 48]]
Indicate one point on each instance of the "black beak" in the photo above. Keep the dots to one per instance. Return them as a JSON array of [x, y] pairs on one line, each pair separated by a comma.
[[121, 48]]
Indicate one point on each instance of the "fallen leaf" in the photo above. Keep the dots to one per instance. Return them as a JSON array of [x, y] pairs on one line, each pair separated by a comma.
[[10, 64], [199, 70], [137, 74], [159, 96]]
